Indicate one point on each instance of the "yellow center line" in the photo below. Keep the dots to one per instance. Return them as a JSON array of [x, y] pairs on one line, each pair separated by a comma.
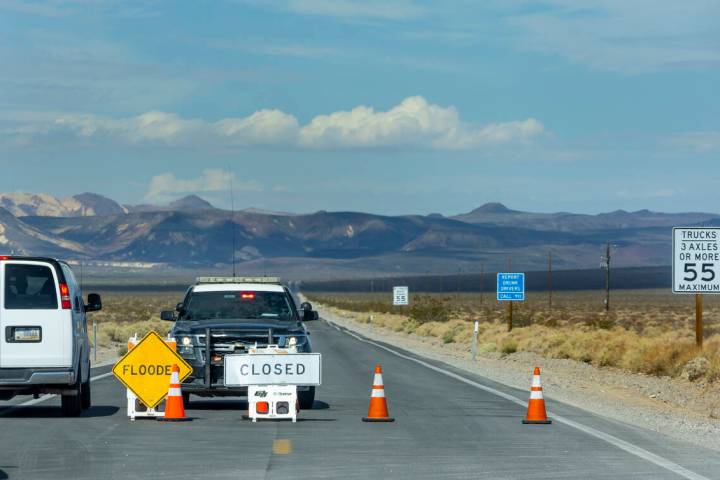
[[282, 446]]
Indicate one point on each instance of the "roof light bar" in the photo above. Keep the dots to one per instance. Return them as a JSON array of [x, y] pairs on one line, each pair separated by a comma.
[[200, 280]]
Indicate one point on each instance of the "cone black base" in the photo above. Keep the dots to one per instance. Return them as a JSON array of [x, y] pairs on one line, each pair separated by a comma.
[[163, 419], [537, 422], [378, 420]]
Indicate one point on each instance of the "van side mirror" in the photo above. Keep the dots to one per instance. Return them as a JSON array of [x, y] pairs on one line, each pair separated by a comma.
[[167, 315], [94, 303]]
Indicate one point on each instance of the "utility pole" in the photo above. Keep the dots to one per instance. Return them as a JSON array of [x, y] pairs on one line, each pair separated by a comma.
[[550, 284], [606, 266], [482, 283], [457, 286]]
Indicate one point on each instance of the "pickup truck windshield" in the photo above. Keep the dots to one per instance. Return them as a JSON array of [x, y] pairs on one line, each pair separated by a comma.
[[233, 305]]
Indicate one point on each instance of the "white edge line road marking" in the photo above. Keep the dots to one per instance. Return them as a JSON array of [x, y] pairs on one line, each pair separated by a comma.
[[35, 401], [619, 443]]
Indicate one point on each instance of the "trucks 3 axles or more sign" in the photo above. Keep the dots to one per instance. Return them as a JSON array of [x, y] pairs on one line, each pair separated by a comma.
[[696, 260]]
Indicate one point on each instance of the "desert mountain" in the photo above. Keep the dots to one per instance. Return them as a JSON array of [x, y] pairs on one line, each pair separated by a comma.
[[191, 233], [498, 214], [187, 203], [34, 204]]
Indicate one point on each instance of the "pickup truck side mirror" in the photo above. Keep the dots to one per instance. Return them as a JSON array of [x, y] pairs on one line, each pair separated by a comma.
[[180, 307], [167, 315], [94, 303], [308, 312]]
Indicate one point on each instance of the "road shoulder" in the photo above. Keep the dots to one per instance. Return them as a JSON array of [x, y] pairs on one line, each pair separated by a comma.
[[620, 396]]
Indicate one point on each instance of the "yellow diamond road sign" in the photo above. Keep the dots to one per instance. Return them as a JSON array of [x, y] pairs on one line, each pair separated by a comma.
[[147, 367]]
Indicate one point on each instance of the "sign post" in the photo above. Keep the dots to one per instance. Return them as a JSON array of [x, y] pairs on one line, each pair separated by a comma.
[[510, 288], [473, 348], [696, 267], [401, 296]]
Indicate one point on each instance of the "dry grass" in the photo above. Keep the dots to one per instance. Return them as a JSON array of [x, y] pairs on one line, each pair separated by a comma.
[[126, 314], [648, 331]]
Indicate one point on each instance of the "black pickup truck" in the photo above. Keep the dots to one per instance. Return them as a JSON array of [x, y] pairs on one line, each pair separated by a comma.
[[224, 315]]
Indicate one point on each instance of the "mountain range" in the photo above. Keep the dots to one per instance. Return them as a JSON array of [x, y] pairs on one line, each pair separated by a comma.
[[192, 233]]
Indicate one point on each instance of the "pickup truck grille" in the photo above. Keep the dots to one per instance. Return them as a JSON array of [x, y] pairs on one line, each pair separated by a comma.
[[238, 342], [227, 341]]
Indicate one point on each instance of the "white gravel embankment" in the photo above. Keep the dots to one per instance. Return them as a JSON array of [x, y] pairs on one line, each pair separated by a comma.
[[678, 408]]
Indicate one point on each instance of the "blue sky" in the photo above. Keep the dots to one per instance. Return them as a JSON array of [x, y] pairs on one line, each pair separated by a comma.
[[394, 106]]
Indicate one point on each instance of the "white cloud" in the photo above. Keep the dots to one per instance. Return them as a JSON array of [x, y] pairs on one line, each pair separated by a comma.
[[350, 9], [623, 36], [265, 127], [414, 123], [167, 186], [699, 142]]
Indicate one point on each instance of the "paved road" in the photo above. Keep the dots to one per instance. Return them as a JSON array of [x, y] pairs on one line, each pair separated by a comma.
[[449, 425]]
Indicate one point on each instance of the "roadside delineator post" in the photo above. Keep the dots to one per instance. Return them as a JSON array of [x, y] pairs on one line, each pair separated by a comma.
[[174, 406], [536, 413], [378, 411]]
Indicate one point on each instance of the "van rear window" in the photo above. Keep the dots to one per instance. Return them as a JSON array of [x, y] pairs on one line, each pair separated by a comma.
[[29, 287]]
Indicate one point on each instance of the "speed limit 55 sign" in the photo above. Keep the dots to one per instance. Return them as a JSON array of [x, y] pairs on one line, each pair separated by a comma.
[[696, 260]]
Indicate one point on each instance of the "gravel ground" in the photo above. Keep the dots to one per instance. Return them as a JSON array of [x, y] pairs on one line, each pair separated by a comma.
[[684, 410]]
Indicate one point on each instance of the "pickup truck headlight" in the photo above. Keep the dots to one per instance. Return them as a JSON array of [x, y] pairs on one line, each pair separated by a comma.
[[186, 349], [298, 341]]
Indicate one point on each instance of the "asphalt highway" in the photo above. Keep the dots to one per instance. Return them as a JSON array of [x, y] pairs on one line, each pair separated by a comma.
[[449, 424]]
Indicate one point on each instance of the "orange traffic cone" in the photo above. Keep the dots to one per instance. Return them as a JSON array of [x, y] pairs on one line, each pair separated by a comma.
[[378, 411], [536, 406], [174, 407]]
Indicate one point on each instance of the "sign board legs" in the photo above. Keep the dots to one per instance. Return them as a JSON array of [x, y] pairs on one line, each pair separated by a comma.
[[699, 320]]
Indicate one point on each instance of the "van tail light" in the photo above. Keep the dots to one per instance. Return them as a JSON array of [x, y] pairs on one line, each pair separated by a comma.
[[65, 297], [4, 257]]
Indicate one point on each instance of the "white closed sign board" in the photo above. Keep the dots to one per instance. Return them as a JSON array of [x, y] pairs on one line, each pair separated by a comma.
[[401, 296], [273, 369], [696, 260]]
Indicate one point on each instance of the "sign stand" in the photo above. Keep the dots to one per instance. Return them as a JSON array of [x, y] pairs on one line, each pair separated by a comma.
[[696, 267], [510, 322], [145, 371], [699, 320], [272, 402], [510, 288], [272, 375]]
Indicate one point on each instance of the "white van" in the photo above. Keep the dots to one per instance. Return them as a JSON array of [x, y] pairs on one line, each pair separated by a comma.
[[44, 345]]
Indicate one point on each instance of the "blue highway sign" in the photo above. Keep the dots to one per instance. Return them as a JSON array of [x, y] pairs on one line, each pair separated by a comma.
[[511, 287]]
